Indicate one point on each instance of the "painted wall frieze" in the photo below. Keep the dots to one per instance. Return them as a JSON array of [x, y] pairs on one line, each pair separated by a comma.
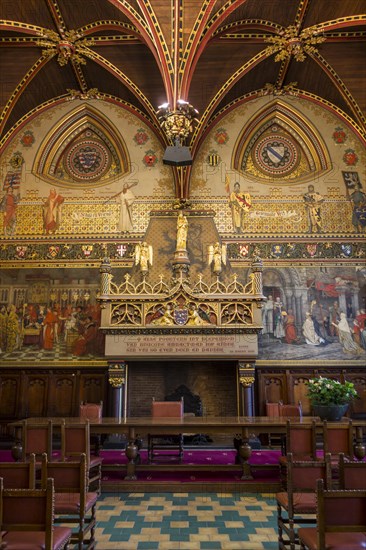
[[61, 253], [304, 251]]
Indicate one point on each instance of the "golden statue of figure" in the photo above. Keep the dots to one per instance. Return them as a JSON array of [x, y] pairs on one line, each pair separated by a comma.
[[166, 316], [182, 231], [143, 256], [217, 256]]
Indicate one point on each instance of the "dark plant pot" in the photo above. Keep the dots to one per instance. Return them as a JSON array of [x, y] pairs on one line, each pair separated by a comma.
[[330, 412]]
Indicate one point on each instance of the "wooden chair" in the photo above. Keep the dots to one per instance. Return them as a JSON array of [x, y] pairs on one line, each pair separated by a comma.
[[19, 475], [300, 441], [159, 442], [92, 411], [352, 473], [338, 439], [290, 411], [341, 521], [276, 410], [26, 520], [297, 505], [73, 503], [36, 439], [75, 441]]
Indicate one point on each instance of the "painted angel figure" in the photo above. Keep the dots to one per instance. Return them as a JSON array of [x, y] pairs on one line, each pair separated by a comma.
[[143, 256], [217, 257]]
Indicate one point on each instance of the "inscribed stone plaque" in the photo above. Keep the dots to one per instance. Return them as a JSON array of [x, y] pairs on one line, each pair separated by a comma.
[[181, 346]]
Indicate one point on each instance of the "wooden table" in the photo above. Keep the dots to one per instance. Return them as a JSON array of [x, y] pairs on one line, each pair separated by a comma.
[[240, 427]]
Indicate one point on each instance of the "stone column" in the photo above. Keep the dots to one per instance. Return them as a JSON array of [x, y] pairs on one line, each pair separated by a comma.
[[257, 270], [246, 375], [301, 296], [342, 288], [105, 277], [117, 381], [355, 300]]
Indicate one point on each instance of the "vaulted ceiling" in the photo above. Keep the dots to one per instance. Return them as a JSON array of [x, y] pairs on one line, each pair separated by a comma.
[[213, 53]]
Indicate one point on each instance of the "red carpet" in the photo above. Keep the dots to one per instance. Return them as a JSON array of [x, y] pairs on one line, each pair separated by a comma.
[[199, 456], [206, 456], [209, 457]]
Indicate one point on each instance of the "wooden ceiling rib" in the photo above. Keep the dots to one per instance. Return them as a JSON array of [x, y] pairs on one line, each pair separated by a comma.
[[34, 12], [335, 9], [142, 44], [77, 13]]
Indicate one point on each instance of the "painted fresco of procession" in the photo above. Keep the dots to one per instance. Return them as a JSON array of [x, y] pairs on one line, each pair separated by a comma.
[[332, 324]]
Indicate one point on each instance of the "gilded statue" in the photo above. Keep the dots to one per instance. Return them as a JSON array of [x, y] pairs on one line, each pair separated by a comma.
[[143, 256], [182, 231], [217, 256]]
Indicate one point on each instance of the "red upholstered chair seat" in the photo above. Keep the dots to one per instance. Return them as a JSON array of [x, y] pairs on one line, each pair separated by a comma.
[[341, 520], [69, 503], [297, 506], [75, 441], [303, 503], [35, 540], [27, 519], [334, 541], [74, 504]]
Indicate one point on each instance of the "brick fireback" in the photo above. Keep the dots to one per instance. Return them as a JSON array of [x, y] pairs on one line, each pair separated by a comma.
[[213, 381]]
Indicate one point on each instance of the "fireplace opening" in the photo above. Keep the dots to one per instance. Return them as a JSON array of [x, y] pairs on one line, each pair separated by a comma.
[[215, 382]]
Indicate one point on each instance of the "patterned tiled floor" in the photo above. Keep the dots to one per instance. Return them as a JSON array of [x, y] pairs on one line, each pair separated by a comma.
[[184, 521]]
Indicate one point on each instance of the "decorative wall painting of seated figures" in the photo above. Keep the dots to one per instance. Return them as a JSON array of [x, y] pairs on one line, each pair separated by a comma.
[[53, 319]]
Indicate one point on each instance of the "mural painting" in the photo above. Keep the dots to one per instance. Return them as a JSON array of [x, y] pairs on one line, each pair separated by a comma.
[[309, 314], [324, 318], [70, 199], [50, 320]]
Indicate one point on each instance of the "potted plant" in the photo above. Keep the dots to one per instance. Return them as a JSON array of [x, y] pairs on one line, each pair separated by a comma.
[[329, 397]]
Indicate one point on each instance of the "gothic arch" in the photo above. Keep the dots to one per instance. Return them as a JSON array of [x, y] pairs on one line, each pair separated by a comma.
[[280, 144], [84, 149]]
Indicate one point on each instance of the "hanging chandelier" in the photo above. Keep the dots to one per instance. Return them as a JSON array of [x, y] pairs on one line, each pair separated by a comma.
[[177, 124]]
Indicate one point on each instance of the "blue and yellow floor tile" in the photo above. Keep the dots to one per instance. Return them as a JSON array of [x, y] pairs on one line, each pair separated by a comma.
[[185, 521]]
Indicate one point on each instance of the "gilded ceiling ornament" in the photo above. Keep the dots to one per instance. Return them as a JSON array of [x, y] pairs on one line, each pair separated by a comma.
[[181, 204], [290, 43], [92, 93], [71, 47], [272, 89]]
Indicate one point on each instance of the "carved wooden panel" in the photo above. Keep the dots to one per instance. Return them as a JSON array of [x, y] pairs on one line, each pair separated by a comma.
[[358, 406], [9, 389], [298, 391], [92, 387], [289, 385], [272, 388], [62, 395], [36, 396]]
